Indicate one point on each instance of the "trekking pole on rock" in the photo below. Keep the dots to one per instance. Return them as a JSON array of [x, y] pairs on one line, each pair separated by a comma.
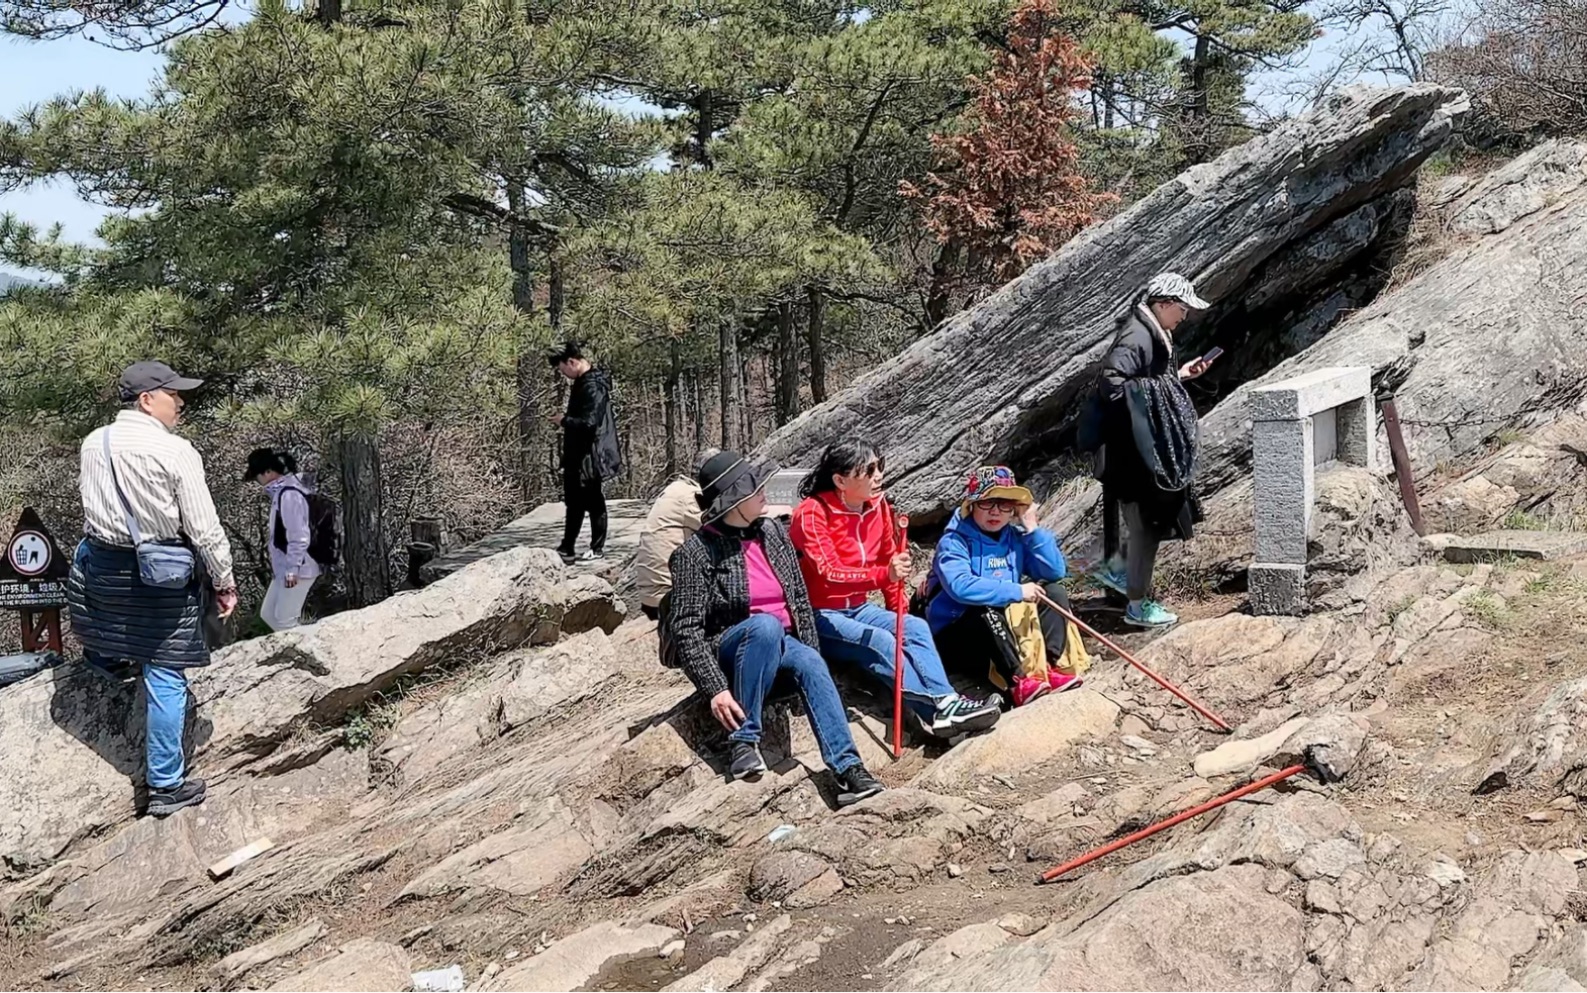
[[1128, 840], [1126, 656], [901, 612]]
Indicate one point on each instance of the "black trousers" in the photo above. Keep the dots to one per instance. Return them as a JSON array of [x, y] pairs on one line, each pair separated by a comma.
[[982, 640], [582, 497]]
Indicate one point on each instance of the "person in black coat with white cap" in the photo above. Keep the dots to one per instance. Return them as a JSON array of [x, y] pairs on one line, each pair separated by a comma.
[[740, 614]]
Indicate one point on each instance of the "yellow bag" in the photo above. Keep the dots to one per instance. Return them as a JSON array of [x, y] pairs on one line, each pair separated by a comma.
[[1025, 622]]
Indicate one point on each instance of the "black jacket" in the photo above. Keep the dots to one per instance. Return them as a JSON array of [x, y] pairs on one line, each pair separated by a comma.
[[589, 430], [710, 593], [1139, 353]]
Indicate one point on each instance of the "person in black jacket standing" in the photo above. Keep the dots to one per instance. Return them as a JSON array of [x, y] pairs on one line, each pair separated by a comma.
[[1142, 357], [590, 455]]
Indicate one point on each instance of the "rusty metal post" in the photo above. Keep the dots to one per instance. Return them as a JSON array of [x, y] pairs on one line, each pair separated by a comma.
[[1402, 465]]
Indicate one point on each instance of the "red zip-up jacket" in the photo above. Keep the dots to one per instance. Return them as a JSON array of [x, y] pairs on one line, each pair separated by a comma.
[[844, 553]]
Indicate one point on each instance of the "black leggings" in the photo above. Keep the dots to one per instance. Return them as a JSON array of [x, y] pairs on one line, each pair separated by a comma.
[[981, 642]]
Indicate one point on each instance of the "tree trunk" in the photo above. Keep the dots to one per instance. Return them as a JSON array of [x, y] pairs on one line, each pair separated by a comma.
[[787, 365], [554, 296], [728, 370], [1198, 142], [529, 372], [704, 127], [939, 299], [700, 441], [367, 566], [328, 12], [673, 398], [816, 346]]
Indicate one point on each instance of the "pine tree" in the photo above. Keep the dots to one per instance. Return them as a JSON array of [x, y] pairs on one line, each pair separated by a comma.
[[1010, 189]]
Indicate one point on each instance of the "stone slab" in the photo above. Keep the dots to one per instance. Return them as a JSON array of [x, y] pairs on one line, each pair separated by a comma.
[[1307, 394], [783, 487], [1277, 589], [1544, 545], [542, 528], [1285, 486]]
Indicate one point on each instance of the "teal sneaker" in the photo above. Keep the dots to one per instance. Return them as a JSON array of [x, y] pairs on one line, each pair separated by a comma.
[[1150, 615], [1111, 577]]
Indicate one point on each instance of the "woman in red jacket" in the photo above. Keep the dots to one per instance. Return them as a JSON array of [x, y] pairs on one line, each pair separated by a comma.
[[848, 544]]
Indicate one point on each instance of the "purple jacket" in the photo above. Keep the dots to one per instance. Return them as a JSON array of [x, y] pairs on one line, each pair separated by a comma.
[[288, 505]]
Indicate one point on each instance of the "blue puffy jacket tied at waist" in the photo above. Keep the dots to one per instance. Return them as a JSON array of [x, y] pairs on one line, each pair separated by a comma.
[[116, 615]]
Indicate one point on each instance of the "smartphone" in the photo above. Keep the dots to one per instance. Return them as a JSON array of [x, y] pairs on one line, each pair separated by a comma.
[[1212, 353]]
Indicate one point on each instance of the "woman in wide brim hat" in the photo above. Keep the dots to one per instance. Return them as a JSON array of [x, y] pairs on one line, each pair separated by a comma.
[[726, 480], [739, 614]]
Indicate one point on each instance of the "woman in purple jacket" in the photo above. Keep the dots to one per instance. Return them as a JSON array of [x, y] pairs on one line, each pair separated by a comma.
[[292, 567]]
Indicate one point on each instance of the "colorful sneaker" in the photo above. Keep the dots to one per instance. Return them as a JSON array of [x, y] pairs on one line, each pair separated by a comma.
[[747, 761], [1028, 688], [1059, 682], [965, 715], [855, 785], [1111, 577], [1150, 615]]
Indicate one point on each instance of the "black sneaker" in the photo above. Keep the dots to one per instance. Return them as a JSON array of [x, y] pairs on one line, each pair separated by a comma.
[[855, 785], [966, 715], [167, 801], [591, 556], [747, 762], [568, 558]]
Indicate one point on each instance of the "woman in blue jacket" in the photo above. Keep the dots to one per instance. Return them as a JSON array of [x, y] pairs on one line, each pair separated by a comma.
[[983, 598]]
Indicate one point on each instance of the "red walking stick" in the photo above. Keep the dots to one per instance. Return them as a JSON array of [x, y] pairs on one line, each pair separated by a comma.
[[1126, 656], [900, 613], [1128, 840]]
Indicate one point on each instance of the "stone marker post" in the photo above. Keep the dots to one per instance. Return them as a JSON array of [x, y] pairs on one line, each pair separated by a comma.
[[1298, 425]]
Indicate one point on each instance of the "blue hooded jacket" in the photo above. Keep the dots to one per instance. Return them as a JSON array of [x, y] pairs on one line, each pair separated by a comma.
[[973, 568]]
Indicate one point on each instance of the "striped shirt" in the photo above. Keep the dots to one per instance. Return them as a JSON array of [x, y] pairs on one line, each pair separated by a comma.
[[163, 478]]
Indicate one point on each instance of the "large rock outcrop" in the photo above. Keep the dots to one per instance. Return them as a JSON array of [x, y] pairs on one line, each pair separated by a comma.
[[269, 701], [1272, 231]]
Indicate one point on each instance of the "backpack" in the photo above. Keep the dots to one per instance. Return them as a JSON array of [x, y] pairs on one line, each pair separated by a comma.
[[325, 539]]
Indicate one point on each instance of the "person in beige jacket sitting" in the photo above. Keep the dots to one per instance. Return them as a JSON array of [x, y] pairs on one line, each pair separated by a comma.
[[674, 516]]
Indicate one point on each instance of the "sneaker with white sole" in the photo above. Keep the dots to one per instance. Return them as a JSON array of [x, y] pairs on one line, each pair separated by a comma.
[[1150, 615], [855, 784], [1111, 578], [167, 800], [965, 715], [747, 761], [591, 556]]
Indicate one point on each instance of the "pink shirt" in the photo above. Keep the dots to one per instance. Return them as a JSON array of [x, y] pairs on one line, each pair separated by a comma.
[[765, 589]]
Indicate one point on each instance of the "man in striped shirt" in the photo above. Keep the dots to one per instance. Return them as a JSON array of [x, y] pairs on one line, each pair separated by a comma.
[[141, 483]]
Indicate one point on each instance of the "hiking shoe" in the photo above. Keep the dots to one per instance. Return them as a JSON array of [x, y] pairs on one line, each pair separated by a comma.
[[965, 715], [591, 556], [1150, 615], [1059, 682], [1111, 578], [1028, 688], [747, 761], [165, 801], [568, 558], [855, 785]]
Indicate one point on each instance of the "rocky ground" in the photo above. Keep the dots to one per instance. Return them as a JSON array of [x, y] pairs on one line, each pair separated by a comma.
[[495, 772]]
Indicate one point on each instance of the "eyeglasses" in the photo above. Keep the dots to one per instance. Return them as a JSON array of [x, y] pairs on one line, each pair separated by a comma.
[[1001, 506]]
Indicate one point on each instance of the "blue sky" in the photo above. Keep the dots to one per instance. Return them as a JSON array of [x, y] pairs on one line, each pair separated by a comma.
[[33, 72]]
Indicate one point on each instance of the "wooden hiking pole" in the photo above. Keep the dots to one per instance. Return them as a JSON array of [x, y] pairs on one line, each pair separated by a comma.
[[1126, 656], [900, 613]]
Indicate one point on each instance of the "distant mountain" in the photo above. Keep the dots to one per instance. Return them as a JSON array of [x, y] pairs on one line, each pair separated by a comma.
[[9, 282]]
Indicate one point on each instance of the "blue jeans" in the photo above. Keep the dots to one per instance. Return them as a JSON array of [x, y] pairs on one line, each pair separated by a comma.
[[863, 636], [165, 718], [752, 654]]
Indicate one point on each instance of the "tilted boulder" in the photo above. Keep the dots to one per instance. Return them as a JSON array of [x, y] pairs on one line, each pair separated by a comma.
[[1262, 229]]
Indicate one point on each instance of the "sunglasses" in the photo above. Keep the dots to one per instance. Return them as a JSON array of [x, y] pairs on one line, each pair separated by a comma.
[[873, 468], [1001, 506]]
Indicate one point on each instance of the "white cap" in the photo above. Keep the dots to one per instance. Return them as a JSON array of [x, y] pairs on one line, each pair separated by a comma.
[[1175, 287]]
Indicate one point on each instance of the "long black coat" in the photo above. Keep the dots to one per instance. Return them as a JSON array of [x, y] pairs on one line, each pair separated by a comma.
[[589, 430]]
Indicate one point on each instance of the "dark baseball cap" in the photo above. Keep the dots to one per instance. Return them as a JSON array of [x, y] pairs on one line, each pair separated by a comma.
[[146, 377]]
